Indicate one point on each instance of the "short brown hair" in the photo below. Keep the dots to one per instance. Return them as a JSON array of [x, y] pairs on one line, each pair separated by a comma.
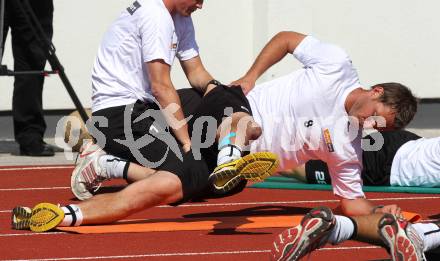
[[401, 100]]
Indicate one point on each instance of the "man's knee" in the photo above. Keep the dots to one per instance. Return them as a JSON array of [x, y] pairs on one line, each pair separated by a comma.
[[161, 188], [169, 185], [254, 132]]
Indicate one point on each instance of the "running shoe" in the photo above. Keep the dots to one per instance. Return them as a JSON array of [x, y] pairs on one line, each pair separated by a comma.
[[41, 218], [253, 167], [45, 216], [88, 176], [401, 238], [312, 233], [20, 218]]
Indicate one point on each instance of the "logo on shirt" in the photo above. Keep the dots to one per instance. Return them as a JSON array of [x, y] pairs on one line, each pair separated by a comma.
[[328, 141], [174, 42], [133, 8], [308, 123]]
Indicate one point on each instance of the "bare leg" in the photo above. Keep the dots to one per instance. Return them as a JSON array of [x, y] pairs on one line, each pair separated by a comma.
[[243, 125], [158, 189], [367, 229], [137, 172]]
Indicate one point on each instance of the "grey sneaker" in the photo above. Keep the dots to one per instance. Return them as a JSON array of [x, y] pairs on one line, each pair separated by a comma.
[[88, 176], [20, 218]]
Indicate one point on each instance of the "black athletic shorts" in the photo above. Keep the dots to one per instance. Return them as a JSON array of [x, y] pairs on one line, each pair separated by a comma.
[[212, 105], [157, 154], [376, 164], [192, 172]]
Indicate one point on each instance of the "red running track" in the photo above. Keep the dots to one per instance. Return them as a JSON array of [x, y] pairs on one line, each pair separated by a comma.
[[30, 185]]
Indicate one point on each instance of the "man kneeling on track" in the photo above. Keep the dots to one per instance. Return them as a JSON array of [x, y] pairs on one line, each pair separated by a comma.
[[131, 72], [404, 241]]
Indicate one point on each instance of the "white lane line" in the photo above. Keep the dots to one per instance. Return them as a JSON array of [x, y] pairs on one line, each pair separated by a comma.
[[185, 254], [292, 202], [274, 202], [35, 168], [348, 248], [32, 234], [27, 189]]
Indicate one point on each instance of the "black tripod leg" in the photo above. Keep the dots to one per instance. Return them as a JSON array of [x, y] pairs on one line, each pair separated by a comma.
[[49, 48]]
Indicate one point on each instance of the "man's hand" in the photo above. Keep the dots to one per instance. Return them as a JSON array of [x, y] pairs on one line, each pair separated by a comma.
[[186, 147], [392, 209], [245, 83]]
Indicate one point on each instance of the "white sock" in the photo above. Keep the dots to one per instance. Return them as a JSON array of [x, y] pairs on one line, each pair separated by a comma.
[[429, 233], [343, 230], [228, 153], [115, 167], [72, 216]]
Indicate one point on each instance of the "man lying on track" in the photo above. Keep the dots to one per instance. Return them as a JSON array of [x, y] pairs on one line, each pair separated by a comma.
[[131, 72], [405, 241], [404, 159], [317, 112]]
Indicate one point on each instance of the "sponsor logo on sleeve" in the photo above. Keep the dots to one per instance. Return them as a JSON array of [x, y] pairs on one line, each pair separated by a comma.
[[133, 8], [328, 141]]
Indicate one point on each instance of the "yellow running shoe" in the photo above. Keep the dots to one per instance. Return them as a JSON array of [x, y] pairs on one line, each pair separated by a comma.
[[20, 218], [45, 216], [253, 167]]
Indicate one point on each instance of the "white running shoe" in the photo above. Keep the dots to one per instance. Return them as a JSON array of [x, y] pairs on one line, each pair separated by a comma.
[[88, 176], [312, 233], [402, 239]]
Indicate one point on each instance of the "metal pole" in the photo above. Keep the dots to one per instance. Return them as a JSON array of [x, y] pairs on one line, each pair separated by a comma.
[[2, 24]]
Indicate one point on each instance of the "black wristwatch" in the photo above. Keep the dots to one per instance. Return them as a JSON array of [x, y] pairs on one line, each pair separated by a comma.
[[213, 81]]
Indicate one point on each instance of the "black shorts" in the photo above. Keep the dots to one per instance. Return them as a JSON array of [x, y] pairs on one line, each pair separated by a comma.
[[317, 172], [376, 164], [157, 152], [212, 105]]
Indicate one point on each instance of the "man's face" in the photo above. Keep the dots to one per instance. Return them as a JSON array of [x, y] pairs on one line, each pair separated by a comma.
[[372, 113], [187, 7]]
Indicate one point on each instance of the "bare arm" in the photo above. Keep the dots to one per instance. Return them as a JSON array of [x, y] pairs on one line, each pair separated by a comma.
[[298, 173], [362, 206], [165, 93], [197, 75], [278, 47]]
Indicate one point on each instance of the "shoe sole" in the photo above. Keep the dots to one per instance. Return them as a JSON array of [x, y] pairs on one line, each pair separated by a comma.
[[45, 216], [253, 167], [313, 225], [401, 247], [20, 218]]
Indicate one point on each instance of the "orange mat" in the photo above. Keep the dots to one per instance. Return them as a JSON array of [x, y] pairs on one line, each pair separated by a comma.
[[237, 223]]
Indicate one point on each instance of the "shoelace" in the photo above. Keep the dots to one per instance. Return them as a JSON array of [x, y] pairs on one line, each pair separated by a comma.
[[93, 181]]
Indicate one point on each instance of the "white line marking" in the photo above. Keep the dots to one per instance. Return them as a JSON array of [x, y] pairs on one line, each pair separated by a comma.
[[348, 248], [32, 234], [272, 202], [292, 202], [187, 254], [26, 189], [37, 168]]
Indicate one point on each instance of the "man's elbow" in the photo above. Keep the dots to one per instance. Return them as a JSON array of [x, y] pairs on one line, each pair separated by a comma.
[[159, 89]]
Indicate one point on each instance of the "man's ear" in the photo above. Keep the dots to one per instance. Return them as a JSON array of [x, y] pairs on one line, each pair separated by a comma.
[[377, 91]]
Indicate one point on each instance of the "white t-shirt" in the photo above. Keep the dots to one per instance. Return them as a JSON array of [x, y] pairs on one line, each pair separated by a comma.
[[144, 32], [303, 115], [417, 163]]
